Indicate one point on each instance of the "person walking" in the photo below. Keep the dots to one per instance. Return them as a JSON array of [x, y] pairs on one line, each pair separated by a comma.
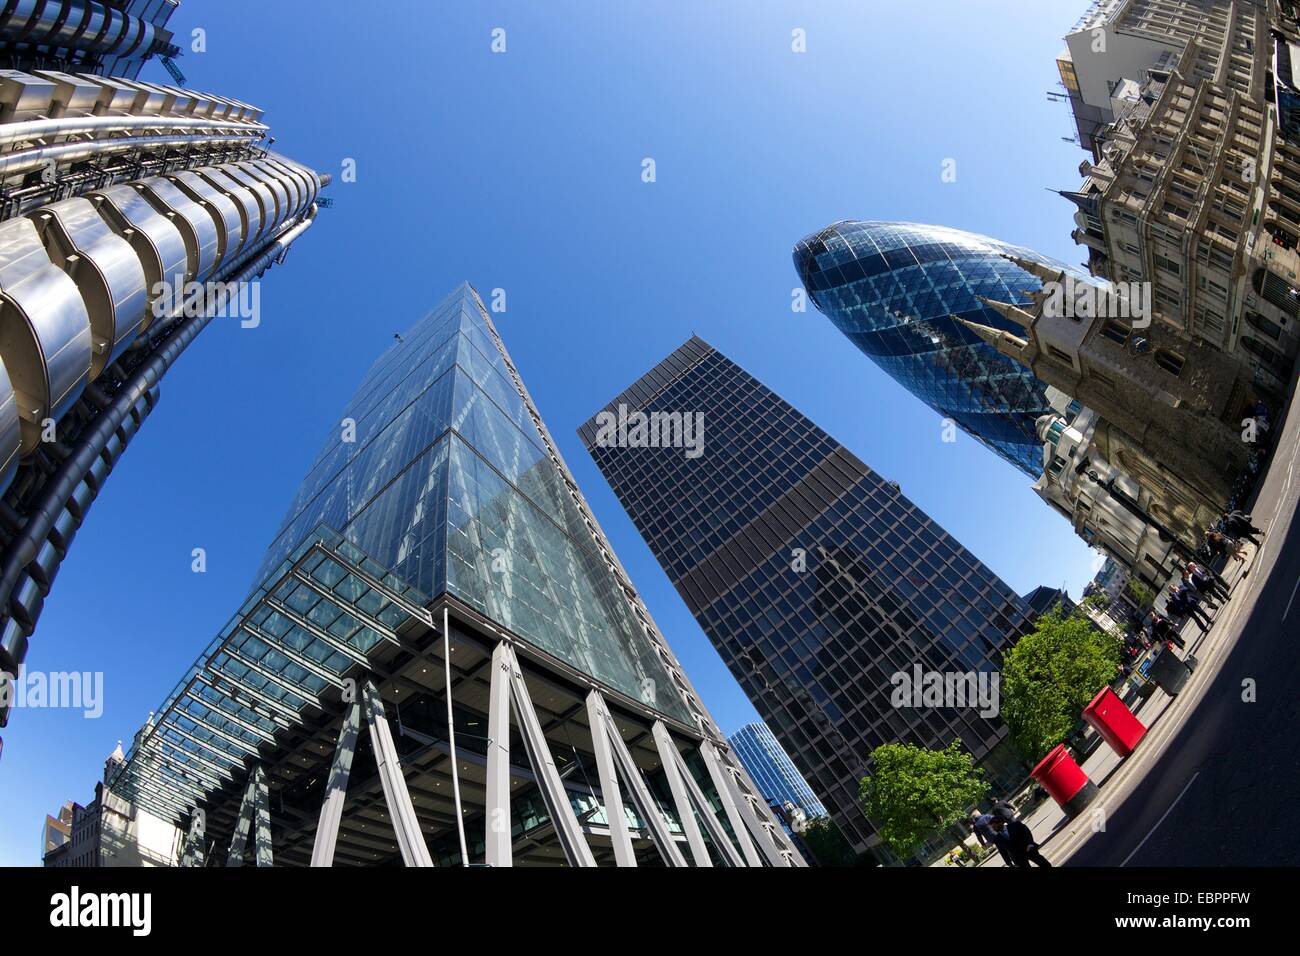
[[1207, 582], [1199, 586], [1221, 546], [1163, 631], [1019, 840], [1181, 603], [1240, 525], [980, 823]]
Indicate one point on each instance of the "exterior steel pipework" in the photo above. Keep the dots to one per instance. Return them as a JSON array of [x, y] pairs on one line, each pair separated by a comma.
[[25, 548], [12, 133]]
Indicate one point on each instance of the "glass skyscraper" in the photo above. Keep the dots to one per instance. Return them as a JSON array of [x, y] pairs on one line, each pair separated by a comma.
[[893, 287], [772, 771], [817, 581], [439, 552]]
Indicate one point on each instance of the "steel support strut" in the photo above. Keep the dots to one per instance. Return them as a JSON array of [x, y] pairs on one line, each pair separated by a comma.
[[497, 835], [646, 805], [415, 852], [559, 809], [610, 795], [336, 788], [254, 808], [668, 758]]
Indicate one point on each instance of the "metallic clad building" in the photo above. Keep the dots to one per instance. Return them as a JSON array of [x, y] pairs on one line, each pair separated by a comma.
[[121, 204], [815, 578], [112, 38], [772, 771], [438, 572], [893, 288]]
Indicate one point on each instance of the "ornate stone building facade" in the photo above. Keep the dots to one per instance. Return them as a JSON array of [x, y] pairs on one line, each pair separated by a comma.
[[1194, 182]]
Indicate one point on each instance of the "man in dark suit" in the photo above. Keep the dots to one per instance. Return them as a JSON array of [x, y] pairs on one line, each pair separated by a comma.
[[1019, 841]]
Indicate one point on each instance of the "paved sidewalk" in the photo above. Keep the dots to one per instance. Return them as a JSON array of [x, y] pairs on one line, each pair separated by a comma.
[[1166, 716]]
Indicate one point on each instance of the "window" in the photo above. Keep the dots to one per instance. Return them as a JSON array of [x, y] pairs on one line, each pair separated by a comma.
[[1168, 265], [1171, 362], [1116, 332], [1059, 355]]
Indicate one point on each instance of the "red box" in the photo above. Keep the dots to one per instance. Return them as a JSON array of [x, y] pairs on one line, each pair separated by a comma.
[[1115, 722], [1065, 780]]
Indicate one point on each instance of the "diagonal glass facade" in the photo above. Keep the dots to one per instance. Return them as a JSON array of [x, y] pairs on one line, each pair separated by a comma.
[[893, 287], [437, 471]]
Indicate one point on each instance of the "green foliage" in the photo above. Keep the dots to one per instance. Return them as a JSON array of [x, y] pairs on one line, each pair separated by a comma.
[[1050, 676], [827, 844], [914, 792], [1140, 593]]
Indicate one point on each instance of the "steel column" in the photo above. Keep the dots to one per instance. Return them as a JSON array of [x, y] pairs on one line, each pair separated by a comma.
[[567, 829], [262, 837], [716, 774], [716, 833], [610, 795], [239, 839], [760, 828], [194, 834], [497, 837], [415, 852], [647, 807], [336, 788], [668, 757]]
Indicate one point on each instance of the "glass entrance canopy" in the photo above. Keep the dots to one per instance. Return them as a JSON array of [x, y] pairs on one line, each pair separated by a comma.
[[314, 620]]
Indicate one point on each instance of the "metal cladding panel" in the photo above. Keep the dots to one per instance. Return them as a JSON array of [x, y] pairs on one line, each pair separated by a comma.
[[148, 101], [247, 205], [197, 225], [305, 177], [10, 428], [14, 26], [296, 201], [111, 95], [107, 272], [72, 94], [260, 191], [155, 238], [44, 328], [225, 214], [23, 96], [278, 189]]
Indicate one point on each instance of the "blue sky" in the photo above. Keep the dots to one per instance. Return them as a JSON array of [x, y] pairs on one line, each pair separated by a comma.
[[522, 171]]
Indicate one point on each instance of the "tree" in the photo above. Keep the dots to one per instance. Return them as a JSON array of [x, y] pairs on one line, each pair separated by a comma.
[[1050, 676], [827, 844], [1140, 593], [913, 792]]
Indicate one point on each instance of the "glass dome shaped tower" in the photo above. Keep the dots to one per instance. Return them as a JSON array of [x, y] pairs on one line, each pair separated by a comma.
[[893, 287]]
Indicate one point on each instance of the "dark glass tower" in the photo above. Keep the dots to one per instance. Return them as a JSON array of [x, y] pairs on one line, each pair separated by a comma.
[[893, 287], [815, 579]]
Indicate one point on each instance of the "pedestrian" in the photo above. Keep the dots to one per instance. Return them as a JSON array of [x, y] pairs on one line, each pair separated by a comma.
[[1004, 810], [1200, 586], [1019, 840], [1221, 546], [980, 824], [1163, 630], [1240, 525], [1207, 582], [1181, 604]]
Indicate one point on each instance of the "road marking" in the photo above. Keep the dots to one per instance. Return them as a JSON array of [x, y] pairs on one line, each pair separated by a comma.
[[1292, 601], [1162, 819]]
